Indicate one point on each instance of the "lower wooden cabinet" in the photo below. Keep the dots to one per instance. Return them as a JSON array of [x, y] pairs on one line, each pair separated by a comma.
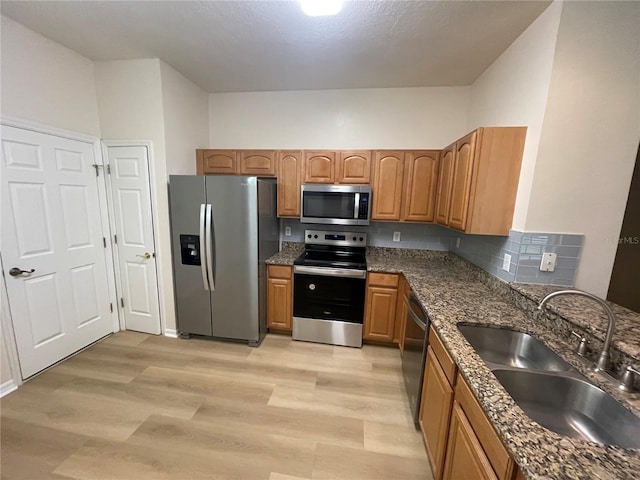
[[465, 456], [380, 307], [435, 412], [279, 297]]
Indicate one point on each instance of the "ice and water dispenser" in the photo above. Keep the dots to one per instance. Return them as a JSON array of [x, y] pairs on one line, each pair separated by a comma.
[[190, 249]]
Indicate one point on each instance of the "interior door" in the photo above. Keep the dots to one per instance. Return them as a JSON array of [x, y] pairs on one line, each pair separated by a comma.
[[131, 194], [52, 246]]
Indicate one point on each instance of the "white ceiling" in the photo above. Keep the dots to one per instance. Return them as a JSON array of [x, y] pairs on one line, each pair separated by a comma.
[[232, 46]]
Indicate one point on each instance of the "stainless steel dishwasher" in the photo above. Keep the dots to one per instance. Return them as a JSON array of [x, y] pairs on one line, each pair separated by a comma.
[[415, 352]]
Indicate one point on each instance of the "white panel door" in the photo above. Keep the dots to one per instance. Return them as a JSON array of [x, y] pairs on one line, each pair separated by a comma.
[[131, 195], [51, 224]]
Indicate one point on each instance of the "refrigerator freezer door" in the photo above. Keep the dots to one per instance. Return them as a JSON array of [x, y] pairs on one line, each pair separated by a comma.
[[193, 309], [234, 258]]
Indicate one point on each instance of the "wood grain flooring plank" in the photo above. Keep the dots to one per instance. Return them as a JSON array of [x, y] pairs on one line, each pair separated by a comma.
[[339, 463], [158, 401], [294, 423], [101, 459], [393, 439], [212, 386], [355, 384], [111, 369], [94, 417], [280, 476], [197, 346], [31, 451], [127, 338], [342, 405], [244, 450]]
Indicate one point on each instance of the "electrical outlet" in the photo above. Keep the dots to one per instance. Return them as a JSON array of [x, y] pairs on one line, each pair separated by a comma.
[[396, 236], [506, 262], [548, 262], [287, 231]]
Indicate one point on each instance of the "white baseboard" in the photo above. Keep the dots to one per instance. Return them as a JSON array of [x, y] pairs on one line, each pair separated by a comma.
[[170, 332], [8, 387]]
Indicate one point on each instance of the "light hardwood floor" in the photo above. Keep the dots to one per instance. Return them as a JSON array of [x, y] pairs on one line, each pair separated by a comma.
[[136, 406]]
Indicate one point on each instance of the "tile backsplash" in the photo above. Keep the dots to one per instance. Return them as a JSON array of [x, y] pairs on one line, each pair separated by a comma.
[[525, 249], [487, 252]]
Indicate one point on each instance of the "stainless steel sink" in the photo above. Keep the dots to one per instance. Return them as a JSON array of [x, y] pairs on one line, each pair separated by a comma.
[[572, 407], [500, 346]]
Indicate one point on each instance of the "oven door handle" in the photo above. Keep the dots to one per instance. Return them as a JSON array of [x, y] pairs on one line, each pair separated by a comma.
[[330, 272], [421, 323]]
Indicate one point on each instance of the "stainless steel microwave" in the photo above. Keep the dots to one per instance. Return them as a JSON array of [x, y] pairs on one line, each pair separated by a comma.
[[335, 204]]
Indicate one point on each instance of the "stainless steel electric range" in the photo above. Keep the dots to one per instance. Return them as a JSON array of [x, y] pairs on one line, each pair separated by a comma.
[[329, 281]]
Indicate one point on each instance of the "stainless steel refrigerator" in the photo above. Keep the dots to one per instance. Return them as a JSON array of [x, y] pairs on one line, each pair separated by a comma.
[[223, 228]]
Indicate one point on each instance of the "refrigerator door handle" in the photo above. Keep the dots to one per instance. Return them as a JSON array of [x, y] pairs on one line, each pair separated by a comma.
[[203, 242], [209, 233]]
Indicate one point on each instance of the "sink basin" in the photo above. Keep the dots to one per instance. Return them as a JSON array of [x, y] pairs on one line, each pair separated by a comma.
[[514, 349], [572, 407]]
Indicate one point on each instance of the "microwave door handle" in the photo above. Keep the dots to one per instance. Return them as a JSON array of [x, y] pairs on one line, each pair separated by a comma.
[[356, 210], [203, 242]]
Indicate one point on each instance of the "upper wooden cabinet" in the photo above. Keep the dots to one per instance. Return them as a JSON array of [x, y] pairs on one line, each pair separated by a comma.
[[342, 166], [388, 175], [443, 195], [421, 171], [289, 181], [319, 167], [404, 185], [258, 162], [216, 162], [354, 167], [479, 179]]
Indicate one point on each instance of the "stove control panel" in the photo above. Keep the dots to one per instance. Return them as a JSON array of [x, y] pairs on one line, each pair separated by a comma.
[[343, 239]]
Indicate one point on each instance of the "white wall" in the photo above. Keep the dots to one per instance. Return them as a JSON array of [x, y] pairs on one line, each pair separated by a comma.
[[43, 81], [130, 108], [362, 118], [186, 120], [590, 133], [513, 92]]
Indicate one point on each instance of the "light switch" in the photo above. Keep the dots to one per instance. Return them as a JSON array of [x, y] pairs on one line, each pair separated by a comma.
[[287, 231], [548, 262], [396, 236]]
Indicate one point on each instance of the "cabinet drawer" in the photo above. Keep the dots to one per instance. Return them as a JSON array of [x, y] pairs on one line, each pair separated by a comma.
[[493, 447], [383, 279], [447, 363], [279, 271]]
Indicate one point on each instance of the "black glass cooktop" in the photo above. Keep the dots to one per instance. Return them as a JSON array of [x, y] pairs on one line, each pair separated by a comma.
[[332, 258]]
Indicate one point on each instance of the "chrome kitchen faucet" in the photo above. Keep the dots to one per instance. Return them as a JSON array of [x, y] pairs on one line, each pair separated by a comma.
[[603, 359]]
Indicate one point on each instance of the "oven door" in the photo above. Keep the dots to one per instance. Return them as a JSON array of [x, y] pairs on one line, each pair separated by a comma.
[[329, 293]]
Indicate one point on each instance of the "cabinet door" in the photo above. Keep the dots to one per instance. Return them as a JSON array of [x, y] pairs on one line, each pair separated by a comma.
[[401, 312], [388, 172], [258, 162], [445, 175], [289, 178], [461, 182], [435, 412], [379, 321], [279, 300], [319, 167], [219, 161], [420, 187], [465, 457], [354, 167]]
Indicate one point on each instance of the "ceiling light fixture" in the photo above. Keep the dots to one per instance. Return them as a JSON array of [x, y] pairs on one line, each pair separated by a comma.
[[321, 8]]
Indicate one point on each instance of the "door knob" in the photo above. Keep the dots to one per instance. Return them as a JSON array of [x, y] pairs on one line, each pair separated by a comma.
[[146, 256], [16, 272]]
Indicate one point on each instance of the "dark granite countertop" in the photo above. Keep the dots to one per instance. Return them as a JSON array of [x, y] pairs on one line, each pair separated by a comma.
[[454, 291], [290, 251]]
